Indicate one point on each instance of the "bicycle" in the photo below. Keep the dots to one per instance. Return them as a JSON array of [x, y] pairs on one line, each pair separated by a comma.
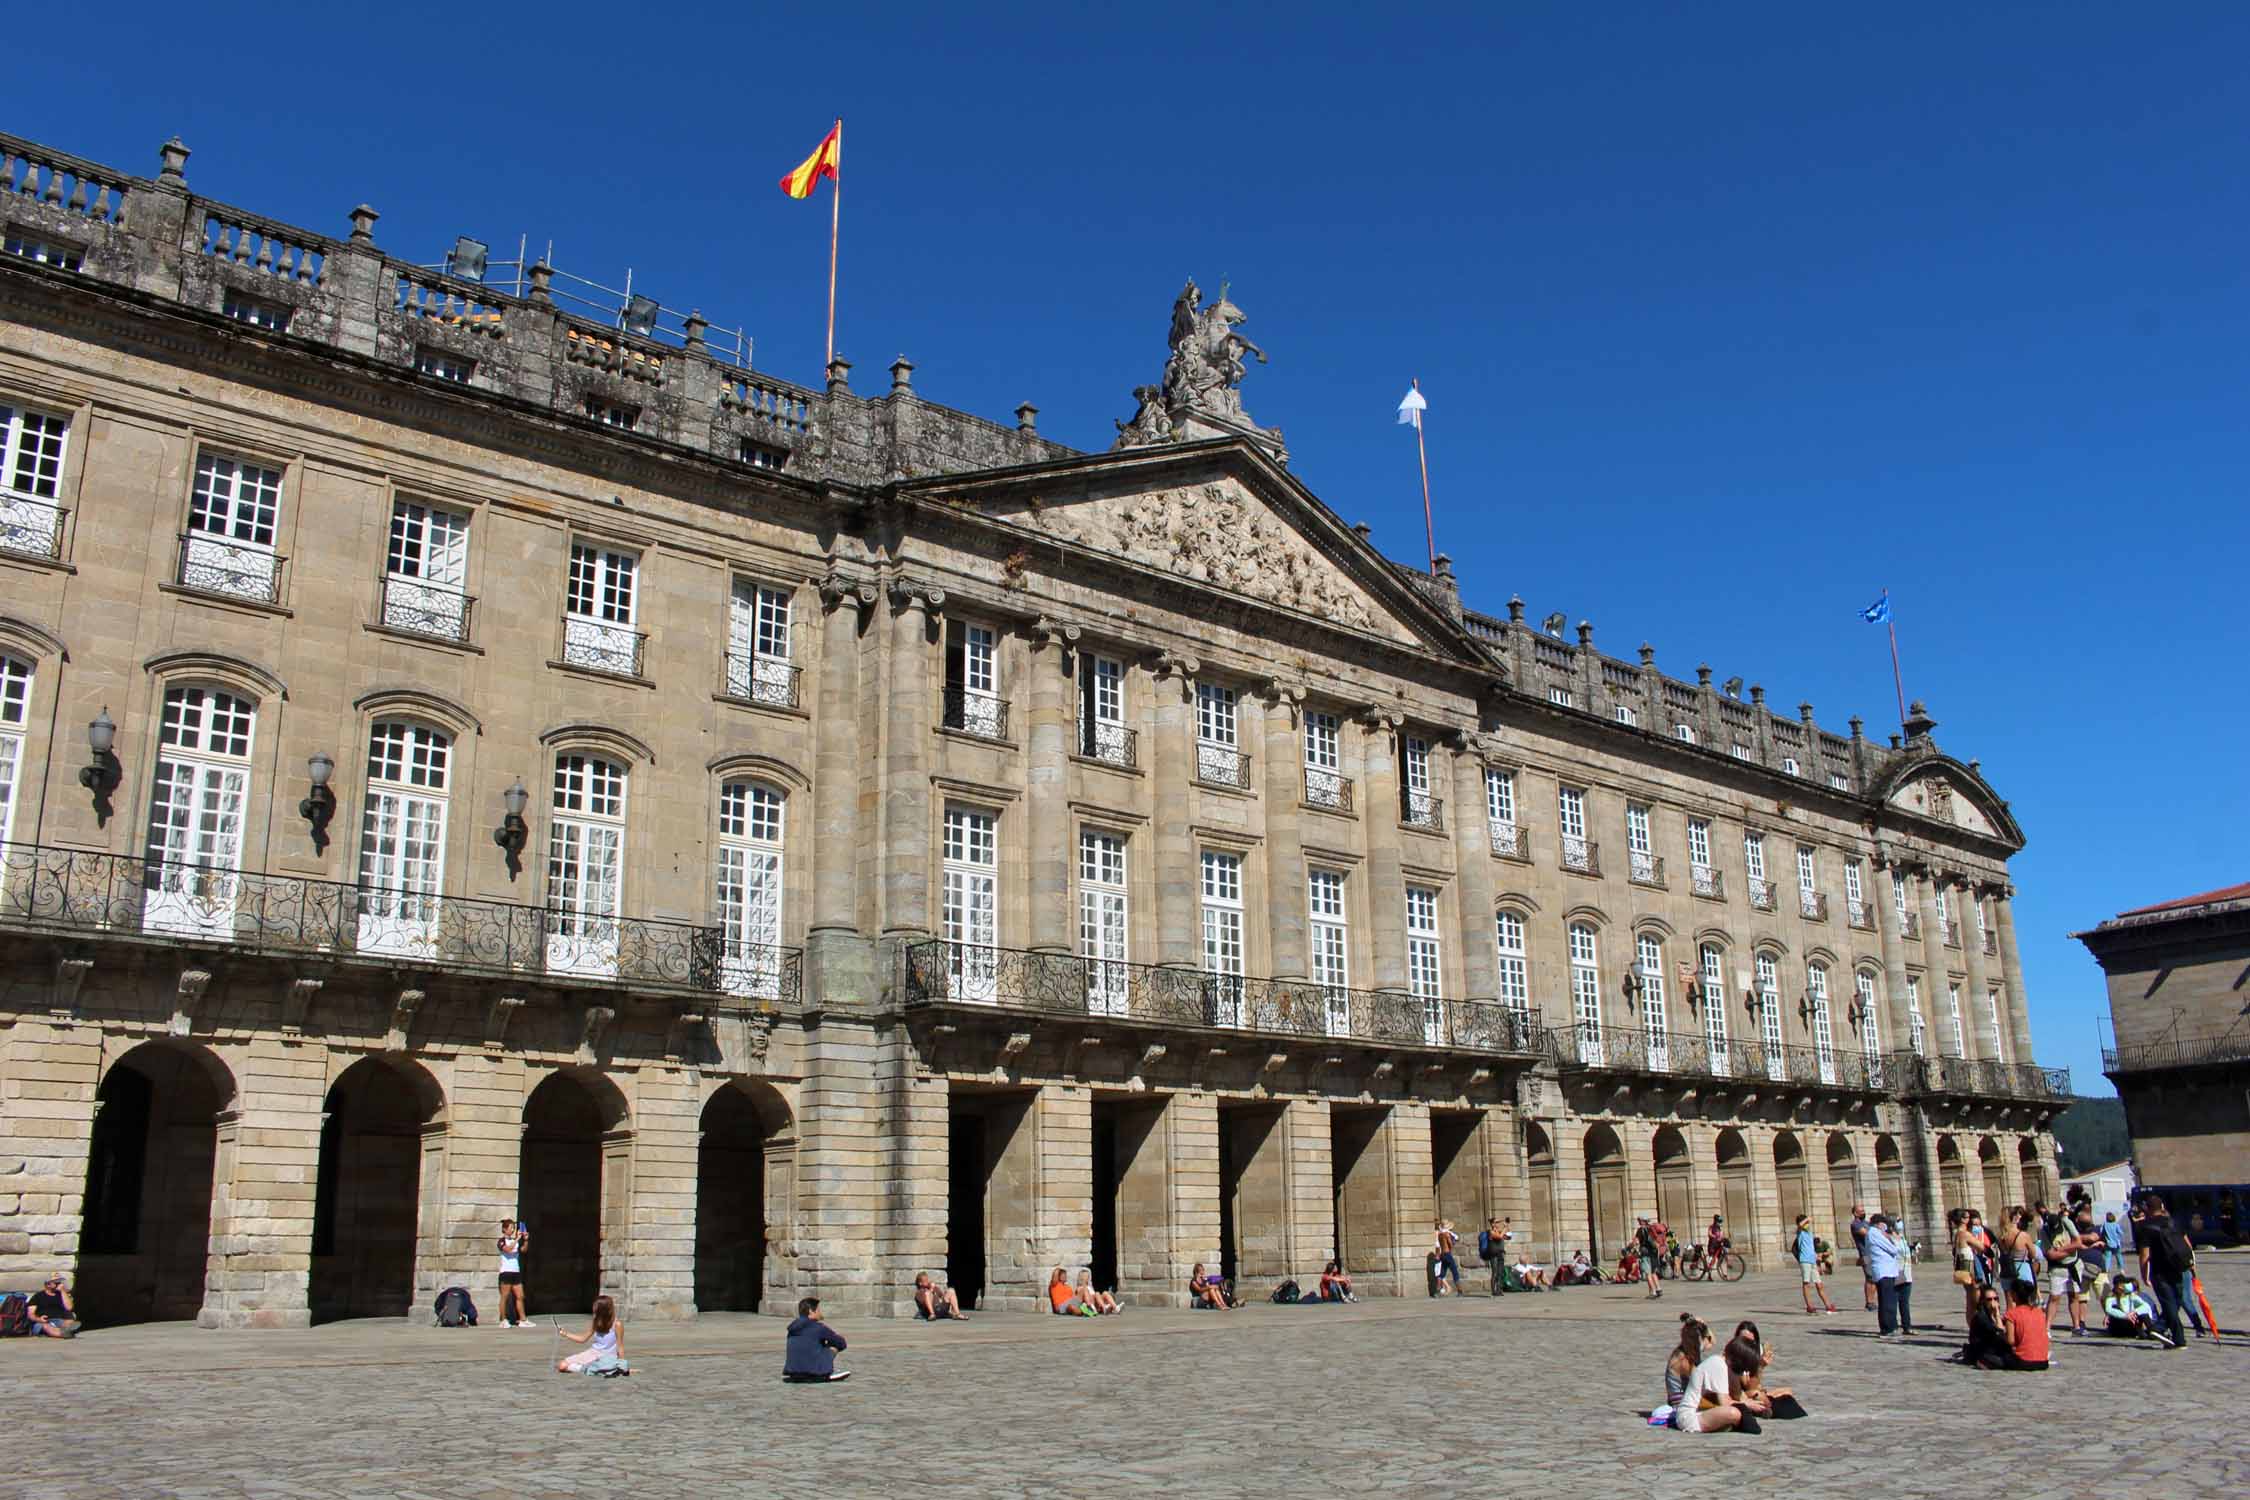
[[1697, 1263]]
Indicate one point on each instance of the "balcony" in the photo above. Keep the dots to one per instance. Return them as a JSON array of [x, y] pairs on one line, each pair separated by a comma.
[[31, 528], [1327, 791], [1708, 883], [1508, 842], [430, 609], [1646, 869], [1952, 932], [1421, 810], [1222, 765], [1859, 914], [1980, 1078], [1910, 925], [74, 893], [939, 972], [1812, 906], [768, 681], [968, 711], [1687, 1054], [1109, 742], [2166, 1053], [229, 569], [1761, 893], [1580, 856], [606, 646]]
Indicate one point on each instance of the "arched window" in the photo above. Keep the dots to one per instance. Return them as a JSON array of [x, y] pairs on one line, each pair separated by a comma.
[[1823, 1031], [1648, 958], [1515, 970], [1769, 1016], [586, 864], [1714, 986], [1586, 992], [195, 811], [402, 837], [15, 710], [749, 888]]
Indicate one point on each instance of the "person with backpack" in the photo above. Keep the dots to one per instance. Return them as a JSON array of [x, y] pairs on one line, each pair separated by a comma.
[[1492, 1249], [53, 1315], [2065, 1246], [455, 1309], [1859, 1248], [2166, 1260]]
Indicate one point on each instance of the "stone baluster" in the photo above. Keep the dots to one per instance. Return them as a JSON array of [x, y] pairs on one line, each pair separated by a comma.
[[1386, 879], [1172, 776], [1285, 837], [2011, 976], [1047, 825], [1472, 845], [908, 835]]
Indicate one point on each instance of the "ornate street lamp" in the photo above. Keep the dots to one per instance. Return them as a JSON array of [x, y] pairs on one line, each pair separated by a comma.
[[320, 806], [513, 833], [101, 774]]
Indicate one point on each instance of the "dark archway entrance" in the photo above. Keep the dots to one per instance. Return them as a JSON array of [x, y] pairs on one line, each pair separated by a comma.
[[732, 1188], [1735, 1193], [2038, 1187], [1539, 1167], [1675, 1186], [1608, 1214], [1790, 1181], [574, 1125], [367, 1202], [147, 1228]]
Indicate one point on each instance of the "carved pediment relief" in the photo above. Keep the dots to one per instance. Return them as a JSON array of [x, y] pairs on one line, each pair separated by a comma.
[[1218, 533], [1933, 795]]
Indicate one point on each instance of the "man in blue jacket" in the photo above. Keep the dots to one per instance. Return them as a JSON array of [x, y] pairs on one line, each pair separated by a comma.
[[812, 1347]]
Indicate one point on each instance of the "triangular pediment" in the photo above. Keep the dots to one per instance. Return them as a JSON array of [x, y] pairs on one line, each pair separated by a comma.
[[1944, 791], [1220, 516]]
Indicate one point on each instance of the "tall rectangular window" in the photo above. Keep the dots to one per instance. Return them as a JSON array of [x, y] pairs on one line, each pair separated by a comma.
[[31, 462], [1769, 1016], [15, 710], [1855, 894], [1586, 992], [1102, 734], [1102, 933], [195, 815], [1898, 899], [402, 838], [1754, 869], [232, 514], [1515, 964], [1808, 884], [1640, 843], [1500, 796], [1331, 945], [759, 666], [1324, 781], [1823, 1029], [600, 606], [1953, 1021], [1577, 853], [1424, 968], [1656, 1036], [1914, 1014], [426, 572], [1870, 1027], [748, 887], [1218, 756], [972, 680], [1222, 935], [1417, 806], [586, 864], [1992, 1020], [971, 901], [1713, 985]]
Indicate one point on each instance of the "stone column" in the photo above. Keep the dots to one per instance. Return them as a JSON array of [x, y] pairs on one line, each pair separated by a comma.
[[840, 1165], [1386, 882], [1900, 1027], [1191, 1124], [907, 834], [1703, 1175], [1764, 1249], [484, 1166], [1971, 901], [1405, 1139], [1064, 1128], [911, 1233], [1923, 1179], [1472, 843], [1507, 1185], [1285, 836], [1047, 826], [262, 1190], [1934, 971], [1172, 777], [2011, 976], [660, 1213], [1573, 1224], [841, 966], [48, 1076], [1312, 1182]]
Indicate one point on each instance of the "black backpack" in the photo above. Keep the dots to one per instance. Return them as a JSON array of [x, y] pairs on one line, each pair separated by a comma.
[[455, 1310], [15, 1316], [1286, 1292]]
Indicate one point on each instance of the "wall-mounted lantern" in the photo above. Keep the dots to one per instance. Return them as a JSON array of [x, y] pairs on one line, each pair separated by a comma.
[[320, 805], [101, 774], [513, 833]]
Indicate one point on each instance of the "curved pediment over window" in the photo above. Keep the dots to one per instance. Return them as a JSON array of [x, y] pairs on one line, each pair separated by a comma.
[[1943, 790]]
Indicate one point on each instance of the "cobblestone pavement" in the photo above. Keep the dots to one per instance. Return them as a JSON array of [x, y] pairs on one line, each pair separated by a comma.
[[1533, 1395]]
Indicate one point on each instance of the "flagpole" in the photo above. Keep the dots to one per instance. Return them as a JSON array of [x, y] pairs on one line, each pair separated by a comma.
[[835, 227], [1898, 683], [1422, 451]]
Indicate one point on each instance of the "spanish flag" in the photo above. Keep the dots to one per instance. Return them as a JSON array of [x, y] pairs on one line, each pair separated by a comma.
[[822, 163]]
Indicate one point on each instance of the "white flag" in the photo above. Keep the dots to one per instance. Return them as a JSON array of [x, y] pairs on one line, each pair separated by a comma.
[[1410, 410]]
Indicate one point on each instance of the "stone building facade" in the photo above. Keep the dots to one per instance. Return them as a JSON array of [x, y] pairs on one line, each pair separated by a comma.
[[774, 838], [2181, 1048]]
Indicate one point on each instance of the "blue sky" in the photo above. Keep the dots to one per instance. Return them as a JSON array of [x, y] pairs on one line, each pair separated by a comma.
[[1729, 316]]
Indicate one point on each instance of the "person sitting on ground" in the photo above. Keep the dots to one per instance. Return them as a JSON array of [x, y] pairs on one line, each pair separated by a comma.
[[1062, 1299], [934, 1302], [1530, 1275], [1706, 1401], [1205, 1291], [810, 1354], [604, 1339], [1750, 1386], [1335, 1284], [2026, 1327], [1679, 1364], [1101, 1302], [1579, 1270], [2131, 1315], [1987, 1347], [53, 1315]]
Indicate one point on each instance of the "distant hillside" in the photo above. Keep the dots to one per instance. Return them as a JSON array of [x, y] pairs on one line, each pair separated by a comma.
[[2091, 1133]]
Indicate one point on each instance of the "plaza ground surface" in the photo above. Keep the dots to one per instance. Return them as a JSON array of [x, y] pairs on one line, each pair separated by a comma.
[[1532, 1395]]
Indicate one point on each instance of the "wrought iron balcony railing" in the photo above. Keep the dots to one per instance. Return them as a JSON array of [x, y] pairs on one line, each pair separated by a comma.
[[1637, 1049], [1508, 841], [1980, 1078], [1111, 743], [1952, 932], [1708, 883], [2167, 1052], [1421, 810], [602, 646], [1859, 915], [1647, 869], [940, 972], [430, 609], [972, 712], [93, 895], [30, 528], [1812, 905], [1910, 926], [770, 681], [1583, 856], [1327, 790], [1761, 893], [1222, 765], [231, 569]]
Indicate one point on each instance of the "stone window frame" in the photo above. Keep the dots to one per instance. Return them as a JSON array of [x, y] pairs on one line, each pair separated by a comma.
[[473, 511], [288, 507], [44, 655], [795, 787], [77, 412], [399, 703]]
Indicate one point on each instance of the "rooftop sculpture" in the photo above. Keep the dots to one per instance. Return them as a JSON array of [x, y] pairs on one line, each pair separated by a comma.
[[1201, 393]]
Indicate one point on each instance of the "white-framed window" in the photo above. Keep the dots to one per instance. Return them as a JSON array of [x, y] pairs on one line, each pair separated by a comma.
[[232, 514], [1914, 1024], [195, 812], [15, 713], [613, 413], [443, 363], [255, 311], [1218, 758], [1500, 796], [1424, 961], [600, 608], [1570, 808], [1222, 935], [764, 455], [1754, 869], [1103, 934], [402, 837], [1944, 905], [1627, 716], [971, 902], [1699, 845], [1515, 962], [1331, 944], [753, 821], [1870, 1027], [1953, 1021], [31, 465], [1714, 986], [586, 864], [47, 252], [1855, 894], [1789, 765], [1769, 1015], [1418, 807], [1992, 1021], [1324, 782], [1898, 898], [1656, 1033], [1740, 751], [1823, 1028], [1586, 992], [1561, 697], [760, 660], [1684, 733], [1640, 843], [1808, 882], [426, 572], [1101, 710], [972, 680], [1838, 782]]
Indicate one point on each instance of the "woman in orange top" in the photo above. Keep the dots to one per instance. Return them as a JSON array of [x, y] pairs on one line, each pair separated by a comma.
[[1061, 1297]]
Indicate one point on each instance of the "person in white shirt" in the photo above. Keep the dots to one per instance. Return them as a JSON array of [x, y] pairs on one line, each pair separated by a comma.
[[514, 1240], [1707, 1378]]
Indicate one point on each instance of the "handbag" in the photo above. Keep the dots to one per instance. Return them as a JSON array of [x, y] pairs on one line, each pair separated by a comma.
[[1964, 1278]]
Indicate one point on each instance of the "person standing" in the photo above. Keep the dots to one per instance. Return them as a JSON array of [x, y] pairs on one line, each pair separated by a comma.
[[1644, 1245], [1883, 1258], [1492, 1245], [514, 1240], [1859, 1248], [2113, 1244], [2166, 1257], [1447, 1265], [1808, 1267]]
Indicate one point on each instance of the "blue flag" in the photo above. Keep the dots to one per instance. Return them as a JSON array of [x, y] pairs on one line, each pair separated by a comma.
[[1879, 612]]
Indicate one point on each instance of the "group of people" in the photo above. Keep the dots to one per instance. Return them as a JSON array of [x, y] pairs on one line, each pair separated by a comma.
[[1711, 1390]]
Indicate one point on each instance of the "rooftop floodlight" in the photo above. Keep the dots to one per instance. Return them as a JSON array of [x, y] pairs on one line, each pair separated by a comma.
[[1554, 624], [639, 315], [467, 259], [1734, 687]]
